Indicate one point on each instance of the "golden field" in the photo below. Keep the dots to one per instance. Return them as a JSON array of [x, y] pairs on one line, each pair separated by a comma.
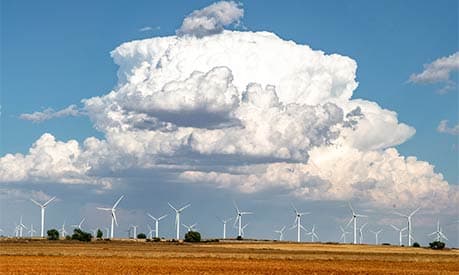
[[127, 257]]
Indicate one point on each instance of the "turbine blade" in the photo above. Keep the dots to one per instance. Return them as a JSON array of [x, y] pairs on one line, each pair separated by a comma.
[[246, 213], [294, 208], [400, 214], [149, 215], [114, 217], [36, 202], [435, 232], [104, 208], [350, 221], [304, 213], [443, 236], [172, 207], [50, 200], [414, 212], [395, 227], [162, 217], [184, 207], [350, 206], [118, 201]]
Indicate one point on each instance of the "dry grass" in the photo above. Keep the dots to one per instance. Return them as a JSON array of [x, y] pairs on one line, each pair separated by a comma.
[[220, 258]]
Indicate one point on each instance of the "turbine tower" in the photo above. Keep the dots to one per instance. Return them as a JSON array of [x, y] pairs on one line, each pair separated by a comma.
[[32, 231], [439, 234], [21, 227], [242, 229], [343, 234], [177, 218], [297, 222], [354, 220], [113, 212], [400, 231], [408, 217], [135, 230], [63, 231], [238, 219], [150, 231], [376, 235], [361, 233], [281, 233], [190, 227], [224, 226], [156, 223], [43, 207], [313, 233]]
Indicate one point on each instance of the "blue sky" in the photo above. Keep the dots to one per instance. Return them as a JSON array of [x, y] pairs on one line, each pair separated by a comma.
[[56, 53]]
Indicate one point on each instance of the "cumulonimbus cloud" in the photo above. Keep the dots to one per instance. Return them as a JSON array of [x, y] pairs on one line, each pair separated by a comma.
[[211, 19], [242, 110]]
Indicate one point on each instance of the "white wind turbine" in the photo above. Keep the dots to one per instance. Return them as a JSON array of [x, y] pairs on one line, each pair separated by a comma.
[[107, 231], [410, 231], [79, 224], [281, 233], [343, 234], [112, 210], [63, 231], [32, 231], [156, 223], [361, 233], [135, 230], [177, 218], [21, 226], [312, 233], [400, 231], [297, 222], [224, 226], [376, 235], [43, 207], [150, 231], [354, 220], [439, 234], [238, 219], [190, 227]]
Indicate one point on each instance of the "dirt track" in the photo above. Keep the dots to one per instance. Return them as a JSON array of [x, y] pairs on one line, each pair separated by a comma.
[[220, 258]]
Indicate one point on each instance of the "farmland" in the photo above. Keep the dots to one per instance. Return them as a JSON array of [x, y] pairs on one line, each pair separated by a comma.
[[20, 257]]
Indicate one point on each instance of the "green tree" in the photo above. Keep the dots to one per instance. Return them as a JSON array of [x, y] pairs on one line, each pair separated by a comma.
[[416, 244], [53, 234], [80, 235], [192, 236], [100, 234], [437, 245], [141, 236]]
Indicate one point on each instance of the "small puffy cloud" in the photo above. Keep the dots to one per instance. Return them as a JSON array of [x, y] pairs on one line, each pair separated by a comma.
[[443, 128], [49, 113], [439, 71], [211, 19], [148, 28]]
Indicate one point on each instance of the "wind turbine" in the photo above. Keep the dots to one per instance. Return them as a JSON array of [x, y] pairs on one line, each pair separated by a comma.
[[32, 231], [298, 225], [135, 230], [112, 210], [238, 219], [376, 235], [43, 207], [150, 231], [361, 233], [80, 224], [156, 223], [313, 233], [410, 232], [439, 233], [281, 233], [343, 235], [21, 226], [190, 227], [400, 231], [177, 218], [224, 226], [354, 220], [242, 229], [63, 231], [107, 231]]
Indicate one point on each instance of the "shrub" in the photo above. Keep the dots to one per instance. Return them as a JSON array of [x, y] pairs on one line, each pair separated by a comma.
[[100, 234], [53, 234], [156, 239], [80, 235], [68, 237], [437, 245], [192, 236], [141, 236], [239, 238], [416, 244]]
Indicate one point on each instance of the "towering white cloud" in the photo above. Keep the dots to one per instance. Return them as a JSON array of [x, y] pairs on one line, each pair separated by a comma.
[[240, 110], [211, 19]]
